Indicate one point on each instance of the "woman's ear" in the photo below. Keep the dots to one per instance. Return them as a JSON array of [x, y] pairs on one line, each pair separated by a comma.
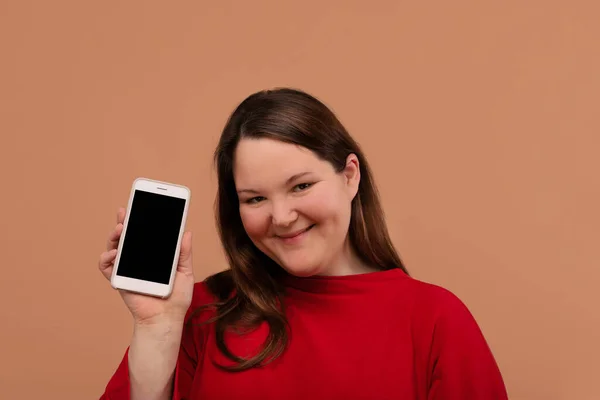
[[351, 174]]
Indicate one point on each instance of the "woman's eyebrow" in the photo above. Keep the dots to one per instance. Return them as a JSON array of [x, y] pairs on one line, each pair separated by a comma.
[[287, 182], [297, 176]]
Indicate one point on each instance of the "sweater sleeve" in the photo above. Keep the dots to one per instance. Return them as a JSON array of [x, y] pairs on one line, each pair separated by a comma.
[[118, 388], [462, 365]]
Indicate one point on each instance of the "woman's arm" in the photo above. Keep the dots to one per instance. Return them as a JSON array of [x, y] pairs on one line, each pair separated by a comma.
[[158, 364], [152, 360], [462, 365]]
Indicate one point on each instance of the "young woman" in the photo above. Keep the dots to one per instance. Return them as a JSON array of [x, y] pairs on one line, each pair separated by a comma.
[[317, 303]]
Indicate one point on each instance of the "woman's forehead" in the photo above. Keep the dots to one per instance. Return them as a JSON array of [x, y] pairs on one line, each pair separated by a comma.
[[265, 160], [267, 153]]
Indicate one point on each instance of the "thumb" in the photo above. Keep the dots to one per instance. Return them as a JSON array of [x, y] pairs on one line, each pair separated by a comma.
[[185, 254]]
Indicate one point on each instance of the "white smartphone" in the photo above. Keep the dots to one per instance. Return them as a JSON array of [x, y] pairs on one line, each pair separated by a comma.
[[148, 249]]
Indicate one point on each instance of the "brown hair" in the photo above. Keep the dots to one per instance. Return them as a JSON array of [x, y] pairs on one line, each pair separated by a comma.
[[250, 292]]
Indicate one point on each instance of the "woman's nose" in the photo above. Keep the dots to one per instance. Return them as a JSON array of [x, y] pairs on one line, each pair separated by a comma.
[[283, 214]]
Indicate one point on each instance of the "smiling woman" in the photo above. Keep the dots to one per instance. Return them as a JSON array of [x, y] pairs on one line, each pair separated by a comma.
[[316, 302], [296, 217]]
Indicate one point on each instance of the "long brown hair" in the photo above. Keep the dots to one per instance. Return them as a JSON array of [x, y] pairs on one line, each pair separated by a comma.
[[250, 292]]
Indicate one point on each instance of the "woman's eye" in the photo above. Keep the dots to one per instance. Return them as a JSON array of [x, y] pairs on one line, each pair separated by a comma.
[[302, 186], [255, 200]]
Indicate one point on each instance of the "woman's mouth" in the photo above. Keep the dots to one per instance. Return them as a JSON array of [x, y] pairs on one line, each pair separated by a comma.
[[296, 236]]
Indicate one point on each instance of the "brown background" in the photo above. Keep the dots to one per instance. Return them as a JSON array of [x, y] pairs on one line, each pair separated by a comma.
[[481, 122]]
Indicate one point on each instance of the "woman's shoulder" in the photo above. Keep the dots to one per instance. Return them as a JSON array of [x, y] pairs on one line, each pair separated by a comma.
[[439, 309], [437, 302], [208, 293], [202, 295], [432, 293]]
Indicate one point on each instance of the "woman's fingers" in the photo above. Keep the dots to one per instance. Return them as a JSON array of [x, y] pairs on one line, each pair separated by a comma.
[[185, 263], [115, 235], [107, 259], [106, 262], [121, 216], [113, 238]]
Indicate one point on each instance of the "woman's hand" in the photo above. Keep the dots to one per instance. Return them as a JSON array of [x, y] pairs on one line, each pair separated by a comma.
[[147, 309]]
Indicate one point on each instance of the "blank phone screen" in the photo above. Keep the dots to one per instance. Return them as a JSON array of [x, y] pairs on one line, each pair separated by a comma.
[[151, 237]]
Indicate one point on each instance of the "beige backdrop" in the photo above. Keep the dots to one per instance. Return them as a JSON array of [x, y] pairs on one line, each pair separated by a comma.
[[481, 122]]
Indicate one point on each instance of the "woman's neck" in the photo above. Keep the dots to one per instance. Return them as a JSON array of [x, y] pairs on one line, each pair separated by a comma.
[[348, 263]]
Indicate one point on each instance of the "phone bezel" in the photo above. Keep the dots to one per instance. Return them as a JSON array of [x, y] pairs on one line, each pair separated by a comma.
[[138, 285]]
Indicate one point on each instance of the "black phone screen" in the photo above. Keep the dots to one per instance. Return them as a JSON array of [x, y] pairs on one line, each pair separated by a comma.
[[151, 237]]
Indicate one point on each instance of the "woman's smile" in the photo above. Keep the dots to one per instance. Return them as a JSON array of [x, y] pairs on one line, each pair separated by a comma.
[[294, 237]]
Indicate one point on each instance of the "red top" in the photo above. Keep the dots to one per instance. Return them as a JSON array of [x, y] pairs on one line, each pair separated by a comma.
[[374, 336]]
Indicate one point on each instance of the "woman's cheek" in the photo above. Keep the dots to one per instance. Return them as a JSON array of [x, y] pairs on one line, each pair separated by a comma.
[[253, 221], [321, 206]]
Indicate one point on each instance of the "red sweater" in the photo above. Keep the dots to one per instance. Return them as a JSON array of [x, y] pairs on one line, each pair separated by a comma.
[[375, 336]]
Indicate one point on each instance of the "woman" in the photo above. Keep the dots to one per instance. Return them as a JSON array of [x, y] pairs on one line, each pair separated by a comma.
[[316, 304]]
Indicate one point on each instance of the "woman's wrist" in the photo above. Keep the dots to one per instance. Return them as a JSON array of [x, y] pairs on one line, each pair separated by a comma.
[[159, 329]]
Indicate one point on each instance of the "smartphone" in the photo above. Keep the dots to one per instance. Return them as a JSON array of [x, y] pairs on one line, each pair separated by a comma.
[[148, 249]]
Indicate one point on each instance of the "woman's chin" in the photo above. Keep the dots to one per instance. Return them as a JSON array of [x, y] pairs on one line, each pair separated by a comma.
[[301, 271]]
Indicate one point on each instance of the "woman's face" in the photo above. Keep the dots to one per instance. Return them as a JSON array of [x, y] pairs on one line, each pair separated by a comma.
[[295, 207]]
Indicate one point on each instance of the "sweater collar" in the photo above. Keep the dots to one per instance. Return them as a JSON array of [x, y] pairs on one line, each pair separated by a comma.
[[346, 284]]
